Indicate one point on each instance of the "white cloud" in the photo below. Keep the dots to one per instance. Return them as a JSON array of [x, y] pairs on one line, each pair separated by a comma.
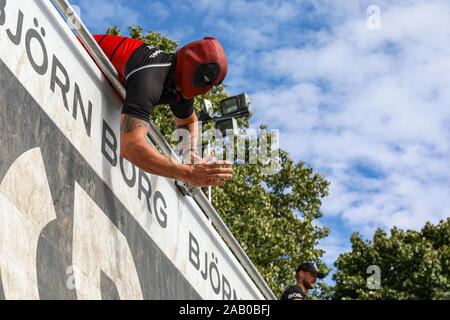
[[107, 13], [375, 97], [158, 9]]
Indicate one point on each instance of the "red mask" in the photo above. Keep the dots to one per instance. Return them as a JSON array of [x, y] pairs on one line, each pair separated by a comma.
[[200, 66]]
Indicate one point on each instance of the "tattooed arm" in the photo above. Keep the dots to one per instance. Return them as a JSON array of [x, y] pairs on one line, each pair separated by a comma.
[[135, 148]]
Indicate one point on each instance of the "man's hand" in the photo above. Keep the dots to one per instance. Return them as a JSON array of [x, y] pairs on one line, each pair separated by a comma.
[[194, 158], [203, 173], [210, 174]]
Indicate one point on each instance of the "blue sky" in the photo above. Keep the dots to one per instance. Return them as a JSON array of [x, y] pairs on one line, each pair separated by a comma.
[[368, 108]]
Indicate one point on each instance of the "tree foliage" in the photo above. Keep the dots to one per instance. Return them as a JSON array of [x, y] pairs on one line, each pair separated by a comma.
[[413, 265], [270, 215]]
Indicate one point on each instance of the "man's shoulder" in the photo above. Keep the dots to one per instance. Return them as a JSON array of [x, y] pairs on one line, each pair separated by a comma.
[[293, 292], [155, 55]]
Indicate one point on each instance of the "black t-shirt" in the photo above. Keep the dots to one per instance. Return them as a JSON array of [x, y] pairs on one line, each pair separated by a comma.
[[293, 292], [149, 81]]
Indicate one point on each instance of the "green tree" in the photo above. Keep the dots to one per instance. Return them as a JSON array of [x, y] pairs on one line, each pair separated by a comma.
[[412, 265], [270, 215]]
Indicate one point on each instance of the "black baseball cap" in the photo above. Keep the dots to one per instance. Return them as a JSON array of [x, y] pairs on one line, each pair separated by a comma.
[[311, 267]]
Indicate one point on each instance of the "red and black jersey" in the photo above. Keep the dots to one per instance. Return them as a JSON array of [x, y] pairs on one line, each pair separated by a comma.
[[148, 75], [150, 81], [153, 77], [118, 50]]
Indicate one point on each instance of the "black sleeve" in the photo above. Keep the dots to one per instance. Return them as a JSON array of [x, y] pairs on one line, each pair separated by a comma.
[[292, 293], [183, 108], [144, 89]]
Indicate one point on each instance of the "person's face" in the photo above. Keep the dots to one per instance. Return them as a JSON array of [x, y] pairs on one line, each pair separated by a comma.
[[309, 279]]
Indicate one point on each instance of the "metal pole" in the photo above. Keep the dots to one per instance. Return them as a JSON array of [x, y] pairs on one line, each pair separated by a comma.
[[209, 188], [156, 136], [91, 45]]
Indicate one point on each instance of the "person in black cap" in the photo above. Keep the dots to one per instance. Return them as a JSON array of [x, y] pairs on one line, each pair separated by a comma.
[[306, 276]]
